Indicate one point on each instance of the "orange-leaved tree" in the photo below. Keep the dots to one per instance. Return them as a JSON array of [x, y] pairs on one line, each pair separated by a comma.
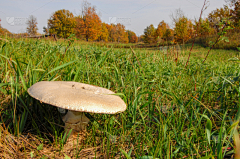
[[89, 24], [132, 37], [112, 32], [161, 30], [121, 33], [1, 30], [117, 33], [62, 23]]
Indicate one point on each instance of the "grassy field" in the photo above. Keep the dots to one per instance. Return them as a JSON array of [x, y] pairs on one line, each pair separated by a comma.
[[172, 111]]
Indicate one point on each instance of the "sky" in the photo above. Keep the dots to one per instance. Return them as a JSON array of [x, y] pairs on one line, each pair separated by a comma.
[[136, 15]]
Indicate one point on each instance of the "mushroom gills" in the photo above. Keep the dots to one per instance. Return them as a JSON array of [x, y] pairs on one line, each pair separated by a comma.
[[77, 121]]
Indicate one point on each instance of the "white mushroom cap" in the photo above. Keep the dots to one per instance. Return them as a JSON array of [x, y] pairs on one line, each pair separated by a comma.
[[77, 97]]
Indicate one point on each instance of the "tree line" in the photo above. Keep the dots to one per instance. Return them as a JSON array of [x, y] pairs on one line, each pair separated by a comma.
[[87, 26], [185, 29]]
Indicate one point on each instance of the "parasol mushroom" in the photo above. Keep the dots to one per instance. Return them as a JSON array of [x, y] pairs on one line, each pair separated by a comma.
[[77, 98]]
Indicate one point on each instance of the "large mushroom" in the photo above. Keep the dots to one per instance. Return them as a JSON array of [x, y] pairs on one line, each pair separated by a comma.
[[77, 98]]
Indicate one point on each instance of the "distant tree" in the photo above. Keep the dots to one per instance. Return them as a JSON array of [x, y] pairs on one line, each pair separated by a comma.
[[89, 24], [104, 33], [141, 38], [62, 23], [32, 25], [216, 16], [132, 37], [204, 29], [149, 34], [178, 14], [163, 31], [112, 31], [168, 35], [183, 27], [235, 13], [122, 35], [1, 30], [231, 3], [117, 33], [109, 28], [183, 30]]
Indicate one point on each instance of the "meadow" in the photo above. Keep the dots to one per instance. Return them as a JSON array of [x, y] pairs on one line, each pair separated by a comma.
[[173, 111]]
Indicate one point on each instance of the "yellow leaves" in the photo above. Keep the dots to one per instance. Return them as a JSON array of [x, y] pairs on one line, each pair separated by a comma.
[[183, 29]]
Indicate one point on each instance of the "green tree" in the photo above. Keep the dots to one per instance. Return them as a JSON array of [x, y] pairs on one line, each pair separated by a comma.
[[62, 23], [149, 34], [204, 29]]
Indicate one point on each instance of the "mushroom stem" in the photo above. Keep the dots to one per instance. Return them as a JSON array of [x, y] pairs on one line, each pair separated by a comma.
[[77, 121]]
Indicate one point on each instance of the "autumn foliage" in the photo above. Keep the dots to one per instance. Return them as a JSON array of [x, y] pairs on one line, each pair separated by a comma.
[[183, 30], [158, 35], [3, 30], [132, 37], [87, 26], [163, 32]]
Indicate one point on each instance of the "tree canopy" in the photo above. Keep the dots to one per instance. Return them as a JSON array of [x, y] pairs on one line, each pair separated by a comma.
[[62, 23], [89, 25], [149, 34]]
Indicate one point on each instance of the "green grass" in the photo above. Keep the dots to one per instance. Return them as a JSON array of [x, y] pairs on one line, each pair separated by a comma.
[[173, 111]]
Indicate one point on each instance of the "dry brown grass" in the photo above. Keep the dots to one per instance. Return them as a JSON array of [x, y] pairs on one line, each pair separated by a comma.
[[29, 146]]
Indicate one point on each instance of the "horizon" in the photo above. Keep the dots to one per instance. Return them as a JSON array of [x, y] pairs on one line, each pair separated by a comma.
[[134, 15]]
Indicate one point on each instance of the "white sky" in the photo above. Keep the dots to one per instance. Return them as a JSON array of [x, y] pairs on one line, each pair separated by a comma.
[[136, 15]]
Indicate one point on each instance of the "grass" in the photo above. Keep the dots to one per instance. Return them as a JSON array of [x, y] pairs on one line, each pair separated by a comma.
[[173, 111]]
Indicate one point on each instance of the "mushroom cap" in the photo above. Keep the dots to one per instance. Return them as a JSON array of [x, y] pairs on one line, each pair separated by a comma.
[[77, 97]]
